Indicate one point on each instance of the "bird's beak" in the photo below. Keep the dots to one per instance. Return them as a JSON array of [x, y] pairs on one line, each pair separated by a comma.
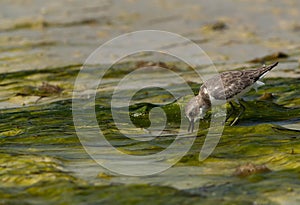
[[191, 126]]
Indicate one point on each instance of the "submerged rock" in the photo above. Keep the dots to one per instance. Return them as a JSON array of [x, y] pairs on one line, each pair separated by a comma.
[[250, 169]]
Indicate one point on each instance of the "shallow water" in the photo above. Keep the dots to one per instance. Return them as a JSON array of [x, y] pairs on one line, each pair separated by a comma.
[[42, 160]]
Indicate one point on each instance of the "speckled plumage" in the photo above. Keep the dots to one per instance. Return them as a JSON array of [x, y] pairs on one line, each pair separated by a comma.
[[227, 86], [231, 83]]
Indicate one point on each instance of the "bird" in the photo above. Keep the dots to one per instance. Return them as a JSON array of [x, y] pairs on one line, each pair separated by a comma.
[[228, 86]]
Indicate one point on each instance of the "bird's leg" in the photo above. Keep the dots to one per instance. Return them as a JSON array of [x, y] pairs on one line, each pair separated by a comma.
[[191, 126], [231, 111], [192, 129], [239, 115]]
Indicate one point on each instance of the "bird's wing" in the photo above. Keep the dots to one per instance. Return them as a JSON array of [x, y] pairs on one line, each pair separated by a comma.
[[229, 84]]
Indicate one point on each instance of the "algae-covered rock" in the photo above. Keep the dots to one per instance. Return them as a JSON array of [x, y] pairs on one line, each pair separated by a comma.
[[249, 169]]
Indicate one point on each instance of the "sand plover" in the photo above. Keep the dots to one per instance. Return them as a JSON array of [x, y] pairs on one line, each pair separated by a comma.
[[227, 86]]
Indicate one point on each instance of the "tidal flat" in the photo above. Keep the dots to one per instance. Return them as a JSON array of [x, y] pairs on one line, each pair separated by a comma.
[[43, 46]]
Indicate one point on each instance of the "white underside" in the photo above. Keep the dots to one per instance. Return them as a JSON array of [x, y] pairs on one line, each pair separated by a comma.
[[201, 113]]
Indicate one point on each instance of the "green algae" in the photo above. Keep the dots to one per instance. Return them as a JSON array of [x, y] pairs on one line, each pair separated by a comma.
[[25, 179], [27, 170], [39, 145], [114, 194]]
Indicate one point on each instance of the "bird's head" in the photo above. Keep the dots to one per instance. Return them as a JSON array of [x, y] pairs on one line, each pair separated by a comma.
[[195, 110]]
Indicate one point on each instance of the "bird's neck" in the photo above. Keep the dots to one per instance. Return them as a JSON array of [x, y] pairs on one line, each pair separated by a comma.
[[204, 97]]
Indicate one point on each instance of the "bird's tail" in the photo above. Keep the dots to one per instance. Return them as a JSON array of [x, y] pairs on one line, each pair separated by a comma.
[[265, 69]]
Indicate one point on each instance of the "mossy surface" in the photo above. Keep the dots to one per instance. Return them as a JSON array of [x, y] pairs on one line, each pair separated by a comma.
[[41, 156], [43, 46]]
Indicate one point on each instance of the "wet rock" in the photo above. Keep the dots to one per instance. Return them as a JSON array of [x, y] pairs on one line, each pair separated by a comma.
[[266, 96], [47, 89], [159, 64], [271, 57], [250, 169], [215, 26]]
